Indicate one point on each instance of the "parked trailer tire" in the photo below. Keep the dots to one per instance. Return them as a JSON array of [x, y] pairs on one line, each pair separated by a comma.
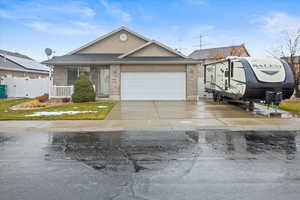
[[215, 97], [251, 106]]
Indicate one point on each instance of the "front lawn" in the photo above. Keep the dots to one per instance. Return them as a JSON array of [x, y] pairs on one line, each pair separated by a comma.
[[290, 105], [83, 111]]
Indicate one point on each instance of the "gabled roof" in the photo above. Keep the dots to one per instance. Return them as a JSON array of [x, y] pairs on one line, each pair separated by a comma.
[[149, 43], [27, 64], [106, 36], [211, 53]]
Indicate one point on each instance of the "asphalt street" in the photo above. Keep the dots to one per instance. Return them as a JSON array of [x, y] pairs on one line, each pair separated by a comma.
[[204, 164]]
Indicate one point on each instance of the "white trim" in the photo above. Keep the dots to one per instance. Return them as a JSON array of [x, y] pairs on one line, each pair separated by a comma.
[[153, 42], [137, 49], [124, 62], [107, 35], [170, 49]]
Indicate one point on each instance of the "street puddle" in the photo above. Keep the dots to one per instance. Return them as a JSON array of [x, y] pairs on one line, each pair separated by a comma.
[[137, 151], [122, 151]]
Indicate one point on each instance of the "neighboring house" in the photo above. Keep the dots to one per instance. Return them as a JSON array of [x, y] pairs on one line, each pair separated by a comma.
[[124, 65], [295, 65], [213, 54], [23, 76]]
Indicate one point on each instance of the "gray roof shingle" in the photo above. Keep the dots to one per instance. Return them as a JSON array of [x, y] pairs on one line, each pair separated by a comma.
[[111, 58], [202, 54]]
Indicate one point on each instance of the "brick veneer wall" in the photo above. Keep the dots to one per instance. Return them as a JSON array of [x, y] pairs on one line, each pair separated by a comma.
[[115, 81], [192, 74]]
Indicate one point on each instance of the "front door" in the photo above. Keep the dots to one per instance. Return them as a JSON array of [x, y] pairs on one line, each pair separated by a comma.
[[103, 75]]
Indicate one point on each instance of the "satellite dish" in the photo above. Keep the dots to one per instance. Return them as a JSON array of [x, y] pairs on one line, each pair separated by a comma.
[[48, 52]]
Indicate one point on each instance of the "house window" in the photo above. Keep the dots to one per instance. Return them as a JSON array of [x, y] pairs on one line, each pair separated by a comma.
[[72, 76]]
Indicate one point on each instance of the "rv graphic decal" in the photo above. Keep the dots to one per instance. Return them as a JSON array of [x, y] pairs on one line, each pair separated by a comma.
[[269, 72]]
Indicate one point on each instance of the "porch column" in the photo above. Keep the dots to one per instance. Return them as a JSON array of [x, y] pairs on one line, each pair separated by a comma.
[[115, 81], [94, 78]]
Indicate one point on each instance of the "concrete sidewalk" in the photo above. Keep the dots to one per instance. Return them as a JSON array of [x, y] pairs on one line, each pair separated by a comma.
[[186, 124]]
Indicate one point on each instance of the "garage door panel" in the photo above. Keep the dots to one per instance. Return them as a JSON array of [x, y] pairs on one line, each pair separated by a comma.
[[153, 85]]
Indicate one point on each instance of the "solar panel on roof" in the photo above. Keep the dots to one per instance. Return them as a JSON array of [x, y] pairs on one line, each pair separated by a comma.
[[28, 64]]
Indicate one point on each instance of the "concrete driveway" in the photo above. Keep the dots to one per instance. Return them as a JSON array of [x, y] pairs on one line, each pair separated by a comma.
[[165, 110]]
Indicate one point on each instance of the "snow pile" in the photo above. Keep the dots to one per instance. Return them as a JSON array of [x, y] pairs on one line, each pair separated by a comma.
[[36, 114], [102, 106]]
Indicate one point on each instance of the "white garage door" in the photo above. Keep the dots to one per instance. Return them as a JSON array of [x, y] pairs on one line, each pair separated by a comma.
[[153, 85]]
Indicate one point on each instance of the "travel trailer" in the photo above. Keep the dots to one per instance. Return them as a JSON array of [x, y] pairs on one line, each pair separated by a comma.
[[249, 79]]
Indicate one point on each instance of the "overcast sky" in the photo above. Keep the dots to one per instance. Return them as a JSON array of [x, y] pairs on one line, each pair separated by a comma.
[[29, 26]]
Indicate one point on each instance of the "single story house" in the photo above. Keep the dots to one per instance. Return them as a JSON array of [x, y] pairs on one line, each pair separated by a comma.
[[213, 54], [23, 76], [124, 65]]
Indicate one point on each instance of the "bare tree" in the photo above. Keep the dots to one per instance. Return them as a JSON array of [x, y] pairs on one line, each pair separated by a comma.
[[289, 50]]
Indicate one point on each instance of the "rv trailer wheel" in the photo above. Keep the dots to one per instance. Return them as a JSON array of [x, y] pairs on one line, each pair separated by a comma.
[[219, 98], [215, 97], [251, 106]]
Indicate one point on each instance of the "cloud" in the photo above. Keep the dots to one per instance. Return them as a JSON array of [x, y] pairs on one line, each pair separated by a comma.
[[73, 28], [116, 11], [186, 38], [47, 17], [276, 23], [196, 2], [6, 14], [30, 10], [75, 8]]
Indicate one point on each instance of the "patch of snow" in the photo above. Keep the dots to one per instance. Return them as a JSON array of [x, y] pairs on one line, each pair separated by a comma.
[[102, 106], [36, 114], [185, 122]]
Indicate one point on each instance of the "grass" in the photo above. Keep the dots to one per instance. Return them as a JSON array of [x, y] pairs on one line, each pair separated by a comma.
[[7, 114], [290, 105], [287, 105]]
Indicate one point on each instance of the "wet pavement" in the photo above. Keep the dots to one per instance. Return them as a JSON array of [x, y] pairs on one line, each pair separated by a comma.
[[164, 110], [202, 109], [198, 164]]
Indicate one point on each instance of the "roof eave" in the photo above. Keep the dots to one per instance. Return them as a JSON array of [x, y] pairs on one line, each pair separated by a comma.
[[121, 62]]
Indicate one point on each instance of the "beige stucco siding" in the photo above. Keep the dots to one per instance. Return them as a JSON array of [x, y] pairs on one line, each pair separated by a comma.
[[113, 44], [153, 50], [153, 68]]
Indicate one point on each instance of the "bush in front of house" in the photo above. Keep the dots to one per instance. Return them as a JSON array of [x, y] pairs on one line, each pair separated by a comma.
[[83, 90]]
